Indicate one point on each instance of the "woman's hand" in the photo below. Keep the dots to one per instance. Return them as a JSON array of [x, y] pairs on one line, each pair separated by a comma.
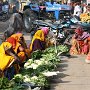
[[21, 49]]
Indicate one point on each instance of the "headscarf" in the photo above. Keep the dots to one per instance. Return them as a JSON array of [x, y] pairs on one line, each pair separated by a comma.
[[12, 41], [79, 30], [38, 35], [45, 30], [17, 36], [80, 34], [5, 46], [5, 60], [20, 38]]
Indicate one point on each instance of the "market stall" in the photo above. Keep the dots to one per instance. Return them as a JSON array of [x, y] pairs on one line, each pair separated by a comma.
[[37, 70]]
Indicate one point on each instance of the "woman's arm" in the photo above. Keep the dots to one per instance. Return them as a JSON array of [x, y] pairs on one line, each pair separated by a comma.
[[12, 53]]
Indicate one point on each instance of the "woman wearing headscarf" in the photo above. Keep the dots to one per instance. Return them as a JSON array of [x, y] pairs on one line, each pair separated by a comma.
[[80, 42], [38, 40], [20, 38], [7, 60], [19, 50]]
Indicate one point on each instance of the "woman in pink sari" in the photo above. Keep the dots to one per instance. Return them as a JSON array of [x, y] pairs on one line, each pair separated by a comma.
[[80, 42]]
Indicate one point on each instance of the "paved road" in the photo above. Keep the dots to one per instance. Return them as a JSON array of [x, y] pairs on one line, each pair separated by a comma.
[[74, 74]]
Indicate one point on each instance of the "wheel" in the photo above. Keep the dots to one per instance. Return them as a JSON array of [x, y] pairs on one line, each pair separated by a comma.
[[28, 17]]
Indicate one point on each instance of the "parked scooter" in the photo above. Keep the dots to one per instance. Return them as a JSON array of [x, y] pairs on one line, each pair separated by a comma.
[[59, 31]]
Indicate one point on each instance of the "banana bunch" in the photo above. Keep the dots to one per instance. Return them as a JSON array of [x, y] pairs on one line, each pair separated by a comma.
[[85, 17]]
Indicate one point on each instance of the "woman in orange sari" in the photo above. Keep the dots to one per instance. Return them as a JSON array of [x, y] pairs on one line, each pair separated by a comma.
[[7, 58], [80, 42], [38, 40], [19, 50], [20, 38]]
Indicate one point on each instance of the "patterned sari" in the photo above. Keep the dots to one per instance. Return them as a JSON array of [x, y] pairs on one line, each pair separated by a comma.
[[80, 42]]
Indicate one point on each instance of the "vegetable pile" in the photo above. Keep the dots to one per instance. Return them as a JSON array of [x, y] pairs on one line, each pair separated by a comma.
[[37, 69], [85, 17]]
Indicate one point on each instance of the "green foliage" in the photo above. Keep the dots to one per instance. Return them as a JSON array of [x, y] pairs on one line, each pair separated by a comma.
[[40, 62], [49, 50], [5, 83], [18, 78], [62, 48], [36, 54]]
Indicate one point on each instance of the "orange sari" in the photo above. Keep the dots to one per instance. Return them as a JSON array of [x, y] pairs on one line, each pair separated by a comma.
[[80, 40], [17, 36], [16, 46], [79, 47]]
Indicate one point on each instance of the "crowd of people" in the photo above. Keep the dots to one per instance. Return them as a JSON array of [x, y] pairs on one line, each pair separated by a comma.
[[76, 7]]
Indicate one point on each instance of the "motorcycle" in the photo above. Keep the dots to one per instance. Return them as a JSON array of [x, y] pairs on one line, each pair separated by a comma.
[[56, 28], [72, 23]]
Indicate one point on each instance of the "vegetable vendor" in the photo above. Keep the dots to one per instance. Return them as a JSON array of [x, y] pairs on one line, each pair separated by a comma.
[[20, 38], [19, 50], [7, 59], [80, 42], [38, 40]]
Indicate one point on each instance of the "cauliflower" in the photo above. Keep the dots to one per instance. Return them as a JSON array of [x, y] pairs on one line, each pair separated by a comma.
[[26, 78]]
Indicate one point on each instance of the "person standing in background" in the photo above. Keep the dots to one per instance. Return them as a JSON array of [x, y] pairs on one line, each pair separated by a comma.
[[85, 8], [77, 10], [69, 2]]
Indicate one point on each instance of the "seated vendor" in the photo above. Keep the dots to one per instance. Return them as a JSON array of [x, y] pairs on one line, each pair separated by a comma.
[[7, 59], [38, 40], [80, 42]]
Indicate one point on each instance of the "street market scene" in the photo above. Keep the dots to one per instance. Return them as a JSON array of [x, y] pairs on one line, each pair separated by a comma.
[[44, 44]]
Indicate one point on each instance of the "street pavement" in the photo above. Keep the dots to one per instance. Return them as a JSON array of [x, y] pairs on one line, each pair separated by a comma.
[[74, 74]]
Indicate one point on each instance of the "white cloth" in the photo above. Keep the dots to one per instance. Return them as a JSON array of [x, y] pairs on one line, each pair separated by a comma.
[[77, 10], [84, 9]]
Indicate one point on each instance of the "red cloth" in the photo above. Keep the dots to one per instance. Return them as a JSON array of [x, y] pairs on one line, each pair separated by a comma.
[[85, 49], [12, 41], [79, 31]]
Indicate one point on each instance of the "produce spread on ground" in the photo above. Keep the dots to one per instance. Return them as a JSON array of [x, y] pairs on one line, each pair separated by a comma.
[[37, 70]]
